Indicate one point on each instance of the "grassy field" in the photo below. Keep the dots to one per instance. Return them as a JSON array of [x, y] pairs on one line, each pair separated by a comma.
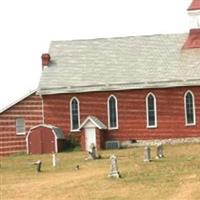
[[177, 176]]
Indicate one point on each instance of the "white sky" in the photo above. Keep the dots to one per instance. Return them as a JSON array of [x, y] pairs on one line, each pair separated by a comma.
[[27, 27]]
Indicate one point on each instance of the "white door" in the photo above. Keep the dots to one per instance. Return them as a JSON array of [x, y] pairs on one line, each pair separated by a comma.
[[90, 137]]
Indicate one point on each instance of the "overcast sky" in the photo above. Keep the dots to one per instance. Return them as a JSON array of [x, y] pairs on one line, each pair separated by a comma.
[[28, 26]]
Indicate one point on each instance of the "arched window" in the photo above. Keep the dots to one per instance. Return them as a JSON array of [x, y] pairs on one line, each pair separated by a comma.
[[74, 113], [112, 112], [151, 111], [190, 118]]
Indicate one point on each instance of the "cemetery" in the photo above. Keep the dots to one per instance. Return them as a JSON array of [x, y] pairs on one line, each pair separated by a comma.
[[161, 171]]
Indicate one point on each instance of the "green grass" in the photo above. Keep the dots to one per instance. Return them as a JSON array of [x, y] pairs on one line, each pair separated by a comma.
[[177, 176]]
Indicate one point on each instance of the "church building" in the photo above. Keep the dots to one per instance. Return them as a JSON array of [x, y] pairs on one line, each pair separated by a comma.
[[121, 89]]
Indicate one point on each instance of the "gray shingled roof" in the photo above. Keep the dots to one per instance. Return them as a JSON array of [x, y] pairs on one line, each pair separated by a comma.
[[155, 61], [59, 133]]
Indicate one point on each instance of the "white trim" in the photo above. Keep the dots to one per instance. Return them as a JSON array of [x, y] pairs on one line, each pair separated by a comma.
[[42, 109], [70, 104], [27, 145], [21, 133], [108, 113], [194, 12], [185, 109], [155, 111], [74, 130], [43, 125], [56, 141], [46, 126], [24, 124], [89, 118]]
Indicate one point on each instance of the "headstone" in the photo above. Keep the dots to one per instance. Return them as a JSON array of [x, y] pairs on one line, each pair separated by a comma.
[[55, 160], [92, 152], [159, 152], [147, 154], [38, 164], [114, 168]]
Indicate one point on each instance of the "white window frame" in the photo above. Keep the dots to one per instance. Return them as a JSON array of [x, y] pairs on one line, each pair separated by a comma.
[[185, 108], [108, 112], [155, 111], [16, 124], [71, 121]]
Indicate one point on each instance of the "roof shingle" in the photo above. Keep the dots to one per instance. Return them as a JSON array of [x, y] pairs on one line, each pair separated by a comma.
[[155, 61]]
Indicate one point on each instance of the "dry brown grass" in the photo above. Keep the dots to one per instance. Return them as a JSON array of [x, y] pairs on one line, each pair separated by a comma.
[[175, 177]]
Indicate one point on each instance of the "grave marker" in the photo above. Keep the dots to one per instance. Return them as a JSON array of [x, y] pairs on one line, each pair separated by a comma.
[[147, 154], [159, 152], [92, 153], [38, 164], [55, 160], [114, 168]]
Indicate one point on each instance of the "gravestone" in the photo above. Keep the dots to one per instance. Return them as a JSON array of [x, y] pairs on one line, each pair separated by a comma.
[[92, 152], [55, 160], [114, 168], [159, 152], [147, 154], [77, 167], [38, 164]]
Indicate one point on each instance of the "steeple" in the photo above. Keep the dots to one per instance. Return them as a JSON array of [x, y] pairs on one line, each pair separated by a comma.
[[194, 13], [195, 5], [193, 40]]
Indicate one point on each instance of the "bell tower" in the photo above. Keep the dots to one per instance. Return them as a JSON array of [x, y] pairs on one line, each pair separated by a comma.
[[193, 40], [194, 13]]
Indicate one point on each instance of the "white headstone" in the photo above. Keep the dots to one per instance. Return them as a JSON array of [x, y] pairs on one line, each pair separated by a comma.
[[55, 160], [114, 168], [147, 154], [92, 152], [38, 164], [159, 152]]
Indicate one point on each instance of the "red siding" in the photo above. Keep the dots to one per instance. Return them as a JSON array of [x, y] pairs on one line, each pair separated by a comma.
[[131, 110], [31, 110], [56, 108]]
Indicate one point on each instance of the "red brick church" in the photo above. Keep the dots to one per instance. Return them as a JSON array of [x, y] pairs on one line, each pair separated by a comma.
[[114, 89]]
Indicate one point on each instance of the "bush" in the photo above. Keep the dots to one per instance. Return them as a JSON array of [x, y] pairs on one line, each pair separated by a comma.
[[72, 142]]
